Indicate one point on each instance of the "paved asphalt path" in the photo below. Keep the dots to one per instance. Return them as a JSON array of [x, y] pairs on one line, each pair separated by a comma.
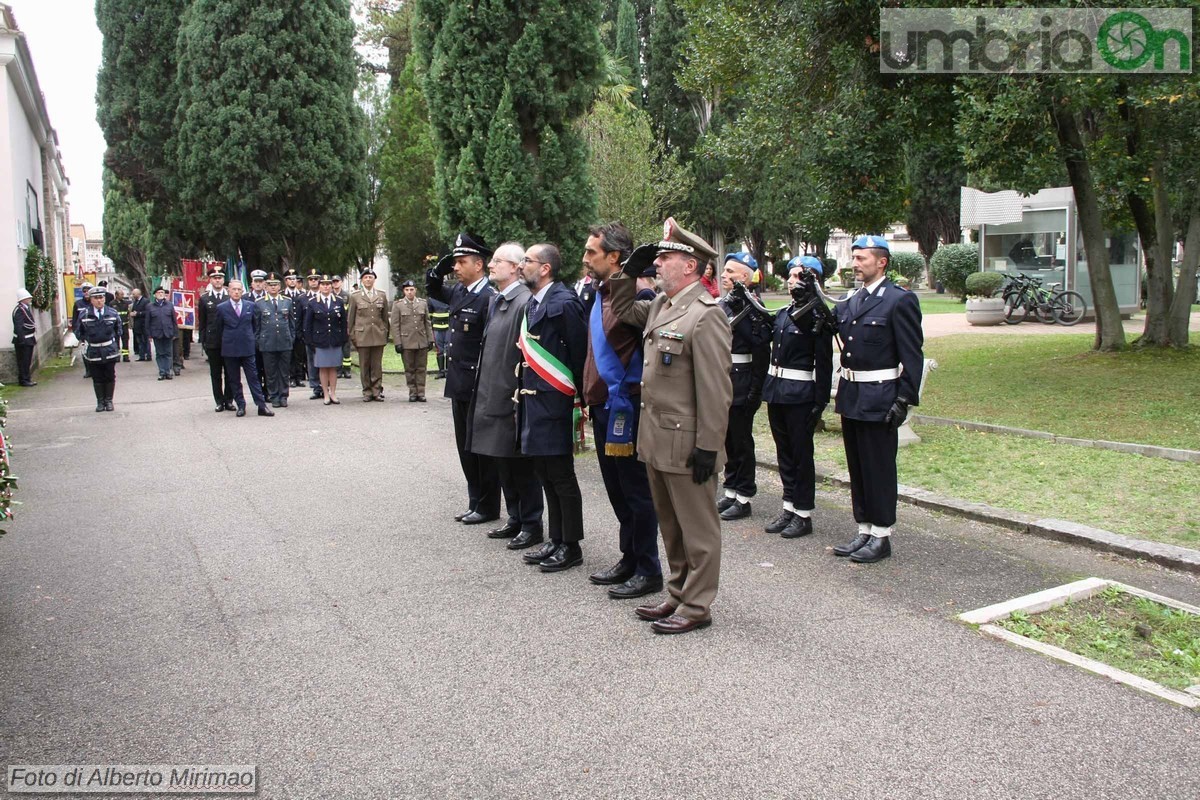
[[187, 587]]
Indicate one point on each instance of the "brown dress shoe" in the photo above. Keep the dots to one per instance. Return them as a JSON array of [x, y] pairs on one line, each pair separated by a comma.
[[660, 611], [678, 624]]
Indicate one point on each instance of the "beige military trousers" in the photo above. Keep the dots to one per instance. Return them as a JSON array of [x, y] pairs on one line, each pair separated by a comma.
[[691, 532], [415, 363]]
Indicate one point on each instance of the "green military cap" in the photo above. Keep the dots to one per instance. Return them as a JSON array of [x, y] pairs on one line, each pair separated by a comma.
[[679, 239]]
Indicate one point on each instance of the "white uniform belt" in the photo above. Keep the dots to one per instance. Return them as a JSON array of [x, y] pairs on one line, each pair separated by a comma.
[[101, 344], [791, 374], [866, 375], [743, 358]]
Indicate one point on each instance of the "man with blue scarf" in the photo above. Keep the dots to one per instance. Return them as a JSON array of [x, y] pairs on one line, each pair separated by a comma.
[[612, 376]]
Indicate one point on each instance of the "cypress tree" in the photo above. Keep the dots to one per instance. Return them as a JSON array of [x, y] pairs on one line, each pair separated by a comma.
[[543, 60], [628, 48], [669, 105], [270, 144], [136, 90]]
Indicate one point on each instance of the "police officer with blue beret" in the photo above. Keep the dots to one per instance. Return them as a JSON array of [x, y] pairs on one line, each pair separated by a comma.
[[751, 325], [797, 391], [881, 364]]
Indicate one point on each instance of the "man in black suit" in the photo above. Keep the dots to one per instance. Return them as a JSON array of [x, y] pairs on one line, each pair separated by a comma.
[[554, 345], [206, 321], [236, 327], [882, 360], [469, 301], [137, 320]]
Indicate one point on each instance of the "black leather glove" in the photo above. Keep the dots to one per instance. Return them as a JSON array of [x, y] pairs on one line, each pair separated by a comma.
[[397, 348], [703, 464], [430, 347], [897, 413], [640, 260], [799, 294], [815, 416]]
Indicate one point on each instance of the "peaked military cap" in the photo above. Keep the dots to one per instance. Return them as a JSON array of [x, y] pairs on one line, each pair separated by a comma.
[[408, 283], [291, 273], [869, 241], [98, 292], [258, 275], [216, 272], [313, 274], [272, 277], [677, 239], [465, 245], [324, 279], [367, 271]]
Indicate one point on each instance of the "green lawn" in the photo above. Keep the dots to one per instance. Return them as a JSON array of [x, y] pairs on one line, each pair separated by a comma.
[[1129, 632], [930, 303], [1056, 383]]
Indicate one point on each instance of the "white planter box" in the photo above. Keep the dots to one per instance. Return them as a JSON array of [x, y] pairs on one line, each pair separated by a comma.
[[989, 311]]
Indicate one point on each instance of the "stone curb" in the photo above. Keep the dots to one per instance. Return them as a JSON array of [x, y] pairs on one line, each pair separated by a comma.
[[1148, 450], [1168, 555]]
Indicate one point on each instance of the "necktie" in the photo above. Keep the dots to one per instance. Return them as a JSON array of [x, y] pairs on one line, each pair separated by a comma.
[[275, 305], [859, 298], [237, 309], [533, 307]]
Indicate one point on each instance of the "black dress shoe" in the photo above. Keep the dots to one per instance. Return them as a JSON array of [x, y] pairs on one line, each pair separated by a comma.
[[678, 624], [877, 549], [475, 518], [636, 586], [177, 371], [241, 412], [545, 551], [525, 539], [283, 402], [852, 545], [317, 395], [738, 510], [779, 523], [263, 411], [276, 404], [724, 503], [419, 399], [565, 557], [220, 407], [29, 383], [459, 517], [230, 406], [799, 526], [162, 377], [506, 531], [618, 573], [168, 376]]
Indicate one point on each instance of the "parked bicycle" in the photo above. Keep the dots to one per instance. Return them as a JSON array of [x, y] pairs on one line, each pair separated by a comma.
[[1024, 295]]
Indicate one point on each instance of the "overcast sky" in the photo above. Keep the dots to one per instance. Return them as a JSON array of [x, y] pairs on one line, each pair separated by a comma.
[[65, 44]]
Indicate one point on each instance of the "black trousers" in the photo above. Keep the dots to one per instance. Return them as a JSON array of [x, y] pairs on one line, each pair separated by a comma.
[[141, 343], [299, 361], [261, 365], [24, 362], [234, 365], [564, 502], [222, 391], [277, 365], [794, 452], [871, 459], [628, 491], [102, 374], [483, 485], [739, 449], [522, 492]]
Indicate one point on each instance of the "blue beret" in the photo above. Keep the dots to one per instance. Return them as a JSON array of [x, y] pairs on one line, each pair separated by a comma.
[[745, 259], [807, 262], [870, 241]]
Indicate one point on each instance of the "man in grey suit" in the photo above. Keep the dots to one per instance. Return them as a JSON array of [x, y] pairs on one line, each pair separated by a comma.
[[493, 414], [274, 336]]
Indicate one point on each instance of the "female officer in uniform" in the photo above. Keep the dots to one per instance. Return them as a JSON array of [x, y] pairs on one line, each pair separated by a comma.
[[325, 329], [797, 391], [99, 331]]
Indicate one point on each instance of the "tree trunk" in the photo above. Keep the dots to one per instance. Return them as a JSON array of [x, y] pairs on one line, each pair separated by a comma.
[[1110, 334], [1181, 307], [1160, 279]]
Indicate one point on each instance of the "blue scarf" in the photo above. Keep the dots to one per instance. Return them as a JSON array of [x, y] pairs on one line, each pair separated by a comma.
[[619, 439]]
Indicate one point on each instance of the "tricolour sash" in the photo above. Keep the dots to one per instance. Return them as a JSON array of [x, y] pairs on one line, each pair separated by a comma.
[[619, 439]]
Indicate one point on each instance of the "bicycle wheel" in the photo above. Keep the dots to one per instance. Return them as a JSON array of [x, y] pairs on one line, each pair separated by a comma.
[[1015, 310], [1069, 308], [1043, 307]]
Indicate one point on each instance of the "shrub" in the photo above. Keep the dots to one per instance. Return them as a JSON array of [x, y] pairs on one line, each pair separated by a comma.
[[773, 283], [984, 284], [40, 278], [910, 265], [952, 263], [831, 267], [898, 279], [847, 276]]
